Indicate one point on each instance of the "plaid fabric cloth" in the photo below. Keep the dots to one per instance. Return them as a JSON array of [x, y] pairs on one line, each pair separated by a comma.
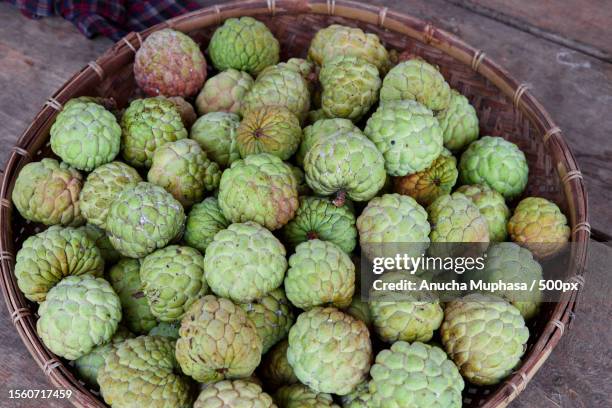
[[112, 18]]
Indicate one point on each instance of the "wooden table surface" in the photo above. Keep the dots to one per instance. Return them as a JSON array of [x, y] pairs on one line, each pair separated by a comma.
[[562, 48]]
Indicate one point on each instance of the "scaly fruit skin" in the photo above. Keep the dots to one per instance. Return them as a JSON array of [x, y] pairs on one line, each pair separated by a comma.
[[102, 187], [507, 262], [410, 316], [329, 350], [540, 226], [259, 188], [79, 313], [169, 63], [269, 129], [203, 221], [279, 86], [125, 279], [415, 375], [99, 237], [224, 92], [184, 170], [48, 192], [87, 366], [244, 262], [275, 370], [392, 219], [416, 80], [408, 136], [360, 398], [164, 215], [85, 135], [454, 218], [216, 134], [337, 40], [300, 179], [493, 208], [320, 129], [50, 256], [300, 396], [485, 336], [185, 109], [244, 44], [359, 309], [237, 393], [148, 124], [459, 122], [305, 68], [272, 315], [172, 280], [165, 329], [497, 163], [350, 87], [320, 273], [345, 163], [319, 218], [435, 181], [143, 372], [217, 341]]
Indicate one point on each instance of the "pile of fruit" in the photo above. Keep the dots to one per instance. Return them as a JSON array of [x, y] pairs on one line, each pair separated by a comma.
[[215, 265]]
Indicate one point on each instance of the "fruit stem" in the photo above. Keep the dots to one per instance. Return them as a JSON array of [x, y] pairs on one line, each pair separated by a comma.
[[340, 198], [311, 235]]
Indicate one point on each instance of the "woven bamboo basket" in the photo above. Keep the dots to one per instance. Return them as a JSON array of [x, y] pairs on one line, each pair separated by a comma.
[[505, 108]]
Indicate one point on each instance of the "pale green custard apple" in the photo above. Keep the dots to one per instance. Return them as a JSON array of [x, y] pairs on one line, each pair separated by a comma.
[[272, 315], [217, 341], [320, 129], [300, 396], [329, 350], [50, 256], [85, 135], [459, 122], [259, 188], [184, 170], [269, 129], [144, 218], [415, 375], [124, 276], [237, 393], [143, 372], [100, 238], [203, 221], [350, 87], [244, 44], [224, 92], [166, 329], [305, 68], [102, 187], [79, 313], [48, 192], [493, 208], [148, 124], [359, 309], [485, 336], [275, 370], [215, 132], [416, 80], [407, 134], [345, 164], [244, 262], [496, 163], [539, 225], [172, 280], [320, 273]]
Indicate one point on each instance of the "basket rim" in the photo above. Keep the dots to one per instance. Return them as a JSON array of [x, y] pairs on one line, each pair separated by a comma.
[[405, 24]]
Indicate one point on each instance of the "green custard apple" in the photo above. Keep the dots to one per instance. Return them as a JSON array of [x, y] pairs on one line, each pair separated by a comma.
[[79, 313], [459, 122], [48, 192], [217, 341], [346, 164], [300, 396], [300, 179], [415, 375], [408, 136], [144, 218], [203, 221], [100, 238], [329, 350], [259, 188], [320, 129], [244, 262], [275, 370], [496, 163], [224, 92], [185, 109], [237, 393], [146, 125], [50, 256], [244, 44], [359, 309], [166, 329], [485, 336], [493, 208], [305, 68], [215, 132], [320, 273]]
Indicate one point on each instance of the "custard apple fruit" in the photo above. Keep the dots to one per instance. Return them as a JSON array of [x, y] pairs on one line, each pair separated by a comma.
[[275, 370], [321, 129], [300, 396], [360, 398], [300, 179], [237, 393], [166, 329], [493, 208], [100, 238], [185, 109], [305, 68], [459, 122], [203, 221], [215, 132], [224, 92], [359, 309]]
